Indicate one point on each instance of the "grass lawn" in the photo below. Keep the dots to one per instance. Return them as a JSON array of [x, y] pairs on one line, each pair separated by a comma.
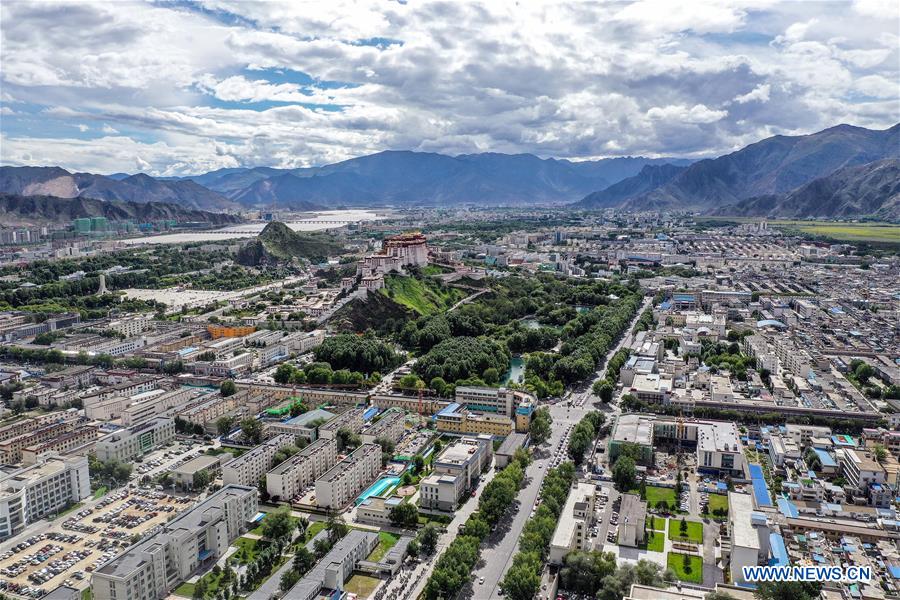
[[657, 523], [694, 531], [656, 540], [655, 495], [314, 528], [101, 491], [246, 549], [717, 501], [675, 561], [185, 590], [386, 541], [361, 585], [87, 594]]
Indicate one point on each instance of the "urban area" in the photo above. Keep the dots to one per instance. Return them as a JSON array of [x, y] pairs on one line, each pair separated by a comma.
[[448, 403]]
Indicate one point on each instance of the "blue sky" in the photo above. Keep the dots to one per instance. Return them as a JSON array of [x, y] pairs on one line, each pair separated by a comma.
[[186, 87]]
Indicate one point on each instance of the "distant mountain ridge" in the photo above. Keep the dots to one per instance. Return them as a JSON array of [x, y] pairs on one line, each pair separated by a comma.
[[650, 178], [872, 189], [423, 178], [55, 181], [34, 210], [774, 165]]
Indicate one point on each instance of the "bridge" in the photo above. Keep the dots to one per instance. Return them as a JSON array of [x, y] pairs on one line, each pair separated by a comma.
[[289, 223]]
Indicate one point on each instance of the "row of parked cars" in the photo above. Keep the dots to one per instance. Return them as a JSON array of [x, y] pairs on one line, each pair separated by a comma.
[[60, 565], [34, 559], [22, 590]]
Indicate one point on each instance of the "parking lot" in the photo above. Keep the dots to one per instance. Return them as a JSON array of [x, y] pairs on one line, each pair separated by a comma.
[[75, 544]]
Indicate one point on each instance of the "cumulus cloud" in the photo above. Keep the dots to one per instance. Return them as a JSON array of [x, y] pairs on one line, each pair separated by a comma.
[[758, 94], [228, 83]]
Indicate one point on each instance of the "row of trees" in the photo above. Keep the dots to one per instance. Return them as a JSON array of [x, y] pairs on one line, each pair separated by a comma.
[[596, 574], [321, 373], [454, 567], [523, 579], [584, 434], [603, 388]]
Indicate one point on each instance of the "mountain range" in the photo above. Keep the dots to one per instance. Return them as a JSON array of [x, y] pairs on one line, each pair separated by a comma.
[[55, 181], [18, 210], [775, 176], [778, 171]]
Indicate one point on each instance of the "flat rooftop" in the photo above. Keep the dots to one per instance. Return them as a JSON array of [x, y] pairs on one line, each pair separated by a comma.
[[740, 508], [634, 429]]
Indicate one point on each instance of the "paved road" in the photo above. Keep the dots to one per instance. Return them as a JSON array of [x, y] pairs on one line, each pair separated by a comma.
[[497, 552]]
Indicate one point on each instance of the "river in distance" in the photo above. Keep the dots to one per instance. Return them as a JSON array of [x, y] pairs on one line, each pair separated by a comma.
[[313, 222]]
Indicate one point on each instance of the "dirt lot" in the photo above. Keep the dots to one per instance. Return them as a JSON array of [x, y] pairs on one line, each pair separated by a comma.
[[73, 545]]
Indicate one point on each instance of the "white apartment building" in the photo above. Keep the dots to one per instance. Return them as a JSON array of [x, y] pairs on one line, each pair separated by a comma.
[[455, 471], [860, 469], [137, 440], [748, 536], [494, 400], [344, 481], [575, 521], [30, 493], [156, 402], [292, 476], [247, 468], [390, 426], [351, 420], [130, 326], [152, 568]]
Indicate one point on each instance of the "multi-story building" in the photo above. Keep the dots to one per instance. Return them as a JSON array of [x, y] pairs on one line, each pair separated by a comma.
[[335, 567], [33, 492], [247, 468], [459, 420], [62, 444], [390, 425], [292, 476], [351, 420], [575, 521], [152, 568], [747, 543], [860, 468], [502, 401], [11, 449], [137, 440], [341, 484], [455, 471]]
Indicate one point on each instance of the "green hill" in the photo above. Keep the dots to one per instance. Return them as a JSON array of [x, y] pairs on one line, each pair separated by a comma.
[[279, 243], [426, 296]]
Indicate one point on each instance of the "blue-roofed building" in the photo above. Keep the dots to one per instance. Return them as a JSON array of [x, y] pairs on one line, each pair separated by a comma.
[[829, 465], [778, 550], [788, 508], [760, 488]]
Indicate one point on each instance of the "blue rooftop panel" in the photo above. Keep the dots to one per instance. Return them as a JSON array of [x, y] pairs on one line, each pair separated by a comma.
[[825, 458], [788, 508], [779, 551], [760, 489]]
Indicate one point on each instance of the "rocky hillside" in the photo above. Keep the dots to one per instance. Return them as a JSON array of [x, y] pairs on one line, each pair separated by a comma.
[[279, 243], [868, 190]]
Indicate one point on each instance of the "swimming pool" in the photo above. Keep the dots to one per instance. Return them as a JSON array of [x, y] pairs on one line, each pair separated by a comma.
[[378, 488]]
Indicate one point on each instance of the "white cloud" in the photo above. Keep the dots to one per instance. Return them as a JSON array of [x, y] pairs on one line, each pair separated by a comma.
[[682, 114], [82, 127], [571, 79], [758, 94]]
